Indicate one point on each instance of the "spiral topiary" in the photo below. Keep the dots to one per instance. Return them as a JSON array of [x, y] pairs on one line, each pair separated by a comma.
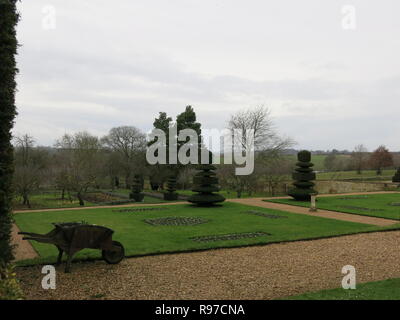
[[206, 184], [303, 176], [137, 189], [396, 177], [171, 189]]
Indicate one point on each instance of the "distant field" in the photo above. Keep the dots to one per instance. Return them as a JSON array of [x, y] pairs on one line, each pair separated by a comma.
[[365, 175], [318, 160]]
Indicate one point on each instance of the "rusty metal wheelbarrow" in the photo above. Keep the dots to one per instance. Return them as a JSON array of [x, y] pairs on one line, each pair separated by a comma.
[[71, 237]]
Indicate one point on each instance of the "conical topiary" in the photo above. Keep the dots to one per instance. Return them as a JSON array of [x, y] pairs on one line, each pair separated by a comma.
[[206, 184], [303, 176], [171, 189], [137, 189], [396, 177]]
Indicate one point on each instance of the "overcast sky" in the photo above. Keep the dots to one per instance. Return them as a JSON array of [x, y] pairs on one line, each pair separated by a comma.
[[109, 63]]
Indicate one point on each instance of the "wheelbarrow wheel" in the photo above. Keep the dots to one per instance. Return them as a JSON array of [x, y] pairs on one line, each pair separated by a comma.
[[116, 255]]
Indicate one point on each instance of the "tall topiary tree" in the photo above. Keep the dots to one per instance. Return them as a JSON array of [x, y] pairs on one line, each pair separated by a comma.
[[8, 70], [171, 189], [303, 176], [206, 184], [396, 177], [137, 188]]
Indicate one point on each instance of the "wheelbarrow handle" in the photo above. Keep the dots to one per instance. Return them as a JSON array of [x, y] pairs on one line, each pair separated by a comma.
[[32, 234]]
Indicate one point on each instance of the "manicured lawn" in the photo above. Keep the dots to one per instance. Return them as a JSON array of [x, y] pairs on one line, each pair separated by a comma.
[[379, 290], [141, 238], [52, 200], [48, 200], [374, 205], [230, 194]]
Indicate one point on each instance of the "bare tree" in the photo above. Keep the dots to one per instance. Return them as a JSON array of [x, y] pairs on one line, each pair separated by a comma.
[[268, 145], [258, 120], [184, 177], [274, 168], [79, 153], [381, 158], [359, 157], [130, 145], [30, 165]]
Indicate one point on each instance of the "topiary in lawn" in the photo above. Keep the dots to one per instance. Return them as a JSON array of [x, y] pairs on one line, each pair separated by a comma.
[[171, 189], [396, 177], [206, 184], [137, 189], [303, 176]]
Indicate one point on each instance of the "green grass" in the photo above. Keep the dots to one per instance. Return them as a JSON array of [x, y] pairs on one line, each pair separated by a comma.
[[378, 204], [52, 200], [318, 160], [379, 290], [229, 194], [140, 238], [48, 200], [366, 175]]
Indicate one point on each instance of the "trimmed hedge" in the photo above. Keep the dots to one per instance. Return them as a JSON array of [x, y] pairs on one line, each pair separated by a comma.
[[205, 184], [171, 194], [8, 70], [396, 177], [303, 176], [137, 189]]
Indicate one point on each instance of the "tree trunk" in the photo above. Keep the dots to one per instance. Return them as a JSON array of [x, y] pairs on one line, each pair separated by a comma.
[[127, 181], [26, 200], [63, 194], [81, 202]]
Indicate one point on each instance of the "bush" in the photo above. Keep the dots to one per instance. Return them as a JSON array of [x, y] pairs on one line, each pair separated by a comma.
[[9, 286], [396, 177]]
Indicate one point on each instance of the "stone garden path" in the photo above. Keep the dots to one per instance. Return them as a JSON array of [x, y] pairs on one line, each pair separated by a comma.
[[258, 272]]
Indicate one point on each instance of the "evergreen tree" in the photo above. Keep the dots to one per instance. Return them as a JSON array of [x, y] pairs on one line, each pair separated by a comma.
[[137, 188], [171, 189], [206, 184], [8, 70], [303, 177], [396, 177]]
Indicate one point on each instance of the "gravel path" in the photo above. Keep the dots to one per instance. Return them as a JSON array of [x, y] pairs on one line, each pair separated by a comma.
[[262, 272], [24, 249]]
